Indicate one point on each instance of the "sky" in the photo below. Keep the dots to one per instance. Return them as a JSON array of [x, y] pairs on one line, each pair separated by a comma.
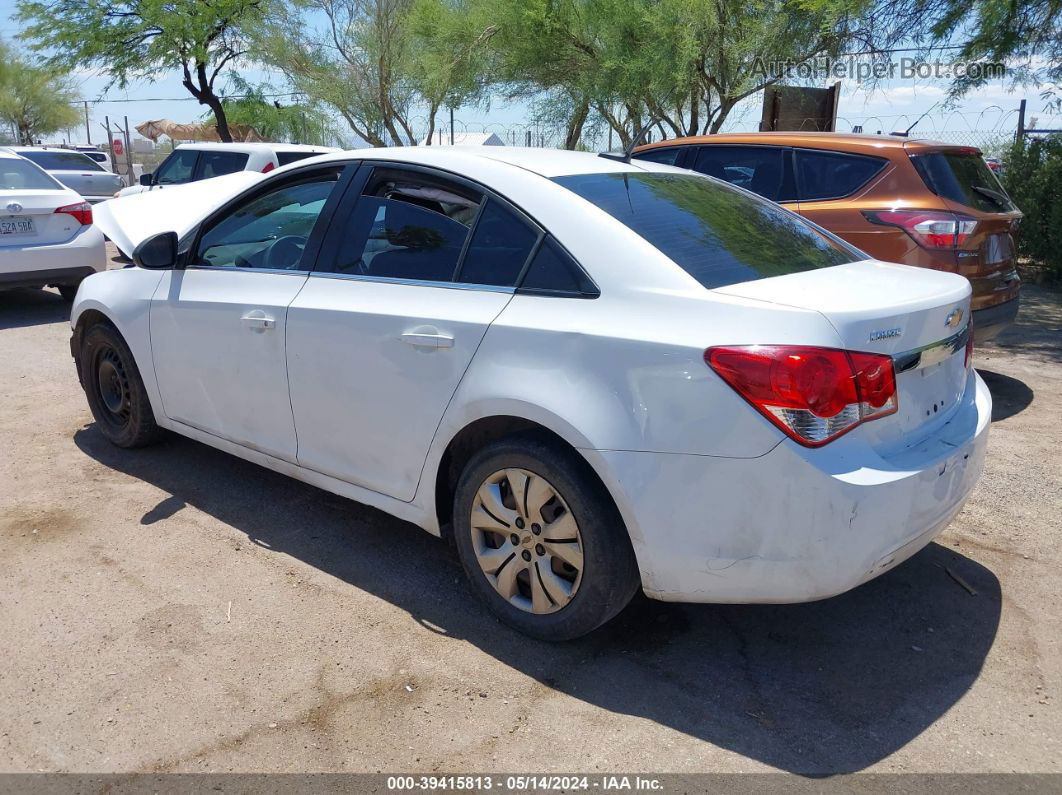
[[892, 104]]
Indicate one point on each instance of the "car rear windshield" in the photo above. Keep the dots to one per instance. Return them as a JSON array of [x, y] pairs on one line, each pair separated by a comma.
[[17, 174], [717, 234], [62, 161], [964, 178]]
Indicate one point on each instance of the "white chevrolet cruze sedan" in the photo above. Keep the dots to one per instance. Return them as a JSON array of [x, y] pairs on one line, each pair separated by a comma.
[[593, 375]]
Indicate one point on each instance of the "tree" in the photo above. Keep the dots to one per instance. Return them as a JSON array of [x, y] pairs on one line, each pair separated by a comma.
[[34, 100], [372, 62], [684, 63], [142, 39], [278, 120]]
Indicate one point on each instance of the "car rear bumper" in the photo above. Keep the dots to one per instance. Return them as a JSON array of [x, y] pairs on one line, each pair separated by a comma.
[[796, 524], [991, 320], [59, 263]]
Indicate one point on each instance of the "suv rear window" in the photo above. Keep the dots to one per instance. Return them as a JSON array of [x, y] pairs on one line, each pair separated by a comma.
[[717, 234], [964, 178], [62, 161], [283, 158]]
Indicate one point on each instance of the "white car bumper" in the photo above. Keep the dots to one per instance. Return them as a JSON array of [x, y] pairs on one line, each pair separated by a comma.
[[794, 525], [60, 263]]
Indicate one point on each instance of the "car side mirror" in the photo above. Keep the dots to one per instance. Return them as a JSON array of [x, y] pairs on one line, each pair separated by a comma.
[[147, 180], [158, 252]]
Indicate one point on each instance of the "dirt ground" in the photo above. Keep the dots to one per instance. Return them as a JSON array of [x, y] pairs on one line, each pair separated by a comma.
[[177, 609]]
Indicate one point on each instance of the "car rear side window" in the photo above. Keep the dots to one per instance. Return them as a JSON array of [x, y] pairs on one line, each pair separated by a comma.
[[500, 245], [553, 271], [214, 164], [17, 174], [832, 175], [760, 169], [718, 235], [62, 161], [284, 158], [667, 156], [405, 226], [964, 178]]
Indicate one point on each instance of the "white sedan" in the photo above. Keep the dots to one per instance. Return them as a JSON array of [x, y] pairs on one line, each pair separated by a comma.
[[46, 232], [593, 375]]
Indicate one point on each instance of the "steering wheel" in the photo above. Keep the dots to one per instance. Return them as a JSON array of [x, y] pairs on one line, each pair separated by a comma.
[[284, 253]]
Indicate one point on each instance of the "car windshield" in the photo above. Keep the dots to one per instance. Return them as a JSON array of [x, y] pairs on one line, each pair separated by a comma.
[[62, 161], [963, 177], [717, 234], [17, 174]]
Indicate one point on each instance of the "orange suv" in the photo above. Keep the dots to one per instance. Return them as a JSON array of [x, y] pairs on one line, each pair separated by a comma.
[[922, 203]]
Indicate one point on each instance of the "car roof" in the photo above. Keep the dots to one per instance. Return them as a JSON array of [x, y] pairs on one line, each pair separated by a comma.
[[544, 162], [848, 142], [254, 147]]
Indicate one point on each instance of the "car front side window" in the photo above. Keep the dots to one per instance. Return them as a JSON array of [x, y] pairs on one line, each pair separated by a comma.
[[177, 168], [270, 231]]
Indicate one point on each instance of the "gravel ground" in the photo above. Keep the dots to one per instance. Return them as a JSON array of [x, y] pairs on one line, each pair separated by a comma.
[[177, 609]]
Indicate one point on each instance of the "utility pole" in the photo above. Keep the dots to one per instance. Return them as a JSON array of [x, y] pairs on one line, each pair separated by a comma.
[[88, 130], [1019, 137], [451, 125], [128, 155]]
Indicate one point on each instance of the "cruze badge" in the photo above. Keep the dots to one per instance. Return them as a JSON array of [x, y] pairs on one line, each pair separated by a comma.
[[885, 333], [14, 207], [954, 318]]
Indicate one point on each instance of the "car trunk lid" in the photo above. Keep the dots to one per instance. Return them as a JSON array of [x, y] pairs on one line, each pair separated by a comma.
[[39, 207], [919, 317], [90, 183]]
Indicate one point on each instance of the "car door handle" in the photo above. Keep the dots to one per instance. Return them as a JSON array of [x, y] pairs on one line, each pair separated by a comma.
[[422, 339], [258, 320]]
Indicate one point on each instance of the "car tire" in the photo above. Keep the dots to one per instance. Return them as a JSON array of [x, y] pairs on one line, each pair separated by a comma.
[[68, 291], [115, 390], [562, 602]]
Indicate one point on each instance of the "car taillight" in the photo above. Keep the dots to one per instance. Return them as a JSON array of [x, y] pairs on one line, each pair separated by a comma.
[[268, 167], [813, 394], [930, 228], [82, 211]]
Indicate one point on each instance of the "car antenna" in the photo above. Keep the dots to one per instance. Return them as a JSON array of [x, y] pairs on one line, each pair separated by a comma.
[[907, 132], [635, 141]]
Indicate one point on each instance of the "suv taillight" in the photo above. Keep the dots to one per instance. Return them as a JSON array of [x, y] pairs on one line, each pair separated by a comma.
[[813, 394], [82, 211], [933, 229], [268, 167]]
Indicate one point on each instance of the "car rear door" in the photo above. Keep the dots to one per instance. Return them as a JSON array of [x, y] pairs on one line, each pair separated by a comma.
[[415, 267], [218, 325]]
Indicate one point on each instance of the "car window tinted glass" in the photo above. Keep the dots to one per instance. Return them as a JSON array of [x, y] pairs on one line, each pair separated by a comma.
[[963, 178], [62, 161], [665, 156], [405, 228], [499, 248], [716, 234], [177, 168], [759, 169], [270, 231], [829, 175], [553, 270], [18, 174], [214, 164], [290, 157]]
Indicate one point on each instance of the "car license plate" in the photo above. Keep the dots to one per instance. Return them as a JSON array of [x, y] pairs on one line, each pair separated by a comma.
[[17, 226]]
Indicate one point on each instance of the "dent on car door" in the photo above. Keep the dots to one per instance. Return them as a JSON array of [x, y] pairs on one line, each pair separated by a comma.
[[414, 269], [217, 326]]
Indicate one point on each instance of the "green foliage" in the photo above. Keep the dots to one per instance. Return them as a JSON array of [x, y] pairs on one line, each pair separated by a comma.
[[34, 100], [141, 39], [303, 123], [1033, 177], [686, 63]]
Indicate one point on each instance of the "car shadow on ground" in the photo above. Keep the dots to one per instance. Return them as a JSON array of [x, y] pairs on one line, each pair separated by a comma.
[[1037, 331], [24, 307], [816, 689], [1010, 396]]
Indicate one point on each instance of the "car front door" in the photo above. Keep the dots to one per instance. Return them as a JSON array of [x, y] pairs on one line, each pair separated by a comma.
[[218, 324], [176, 169], [415, 267]]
